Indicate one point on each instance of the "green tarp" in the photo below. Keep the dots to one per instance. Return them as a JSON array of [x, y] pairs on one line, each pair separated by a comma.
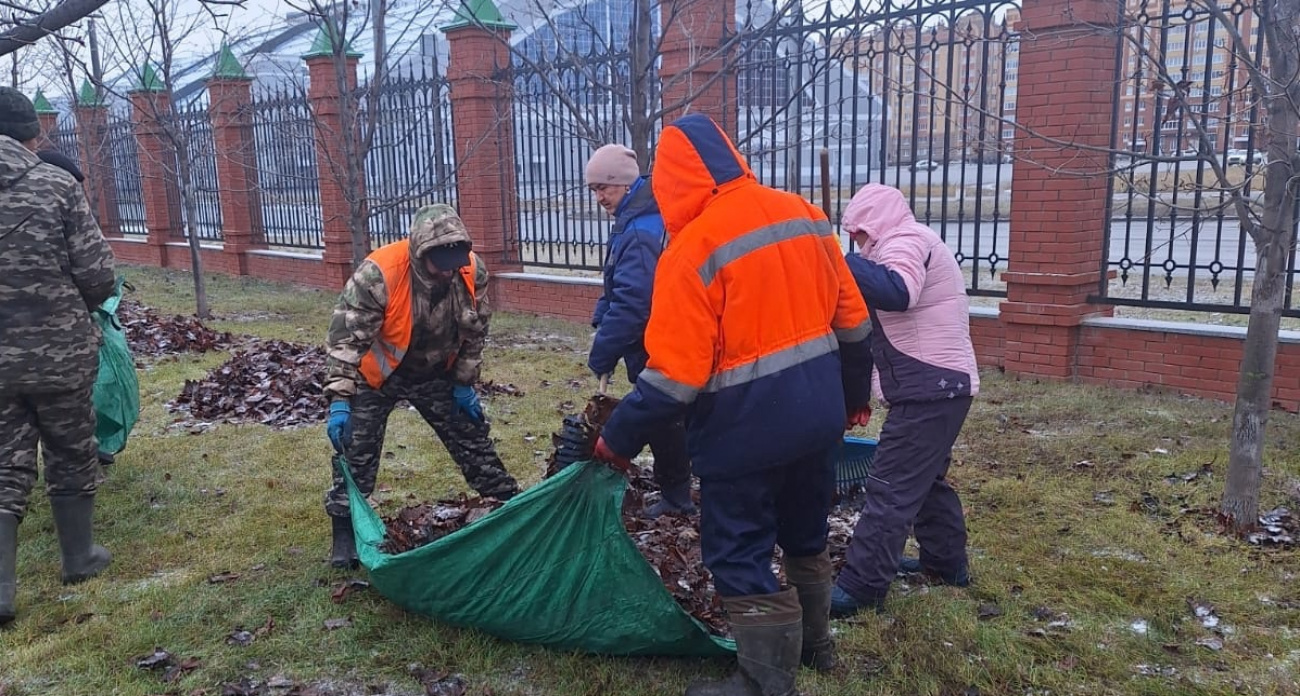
[[554, 566], [117, 391]]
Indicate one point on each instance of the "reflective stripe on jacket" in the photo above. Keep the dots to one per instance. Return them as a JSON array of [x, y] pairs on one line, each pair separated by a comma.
[[389, 348], [753, 305]]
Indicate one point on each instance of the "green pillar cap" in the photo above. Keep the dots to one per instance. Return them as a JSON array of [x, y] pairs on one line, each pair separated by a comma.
[[323, 46], [42, 104], [228, 67], [479, 13], [149, 80], [88, 96]]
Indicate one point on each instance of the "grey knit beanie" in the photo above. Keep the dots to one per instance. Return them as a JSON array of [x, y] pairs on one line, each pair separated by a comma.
[[18, 116]]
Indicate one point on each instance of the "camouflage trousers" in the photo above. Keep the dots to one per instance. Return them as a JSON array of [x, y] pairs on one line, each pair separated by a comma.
[[466, 440], [63, 425]]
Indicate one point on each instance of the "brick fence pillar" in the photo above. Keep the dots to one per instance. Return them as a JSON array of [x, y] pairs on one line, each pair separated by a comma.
[[482, 114], [96, 163], [230, 99], [1058, 220], [326, 99], [150, 105], [694, 71]]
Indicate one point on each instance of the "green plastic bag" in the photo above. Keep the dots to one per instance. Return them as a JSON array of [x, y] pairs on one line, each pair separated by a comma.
[[553, 566], [117, 390]]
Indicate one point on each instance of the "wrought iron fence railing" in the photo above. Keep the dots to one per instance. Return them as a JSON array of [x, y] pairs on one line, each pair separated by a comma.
[[284, 136], [1189, 127]]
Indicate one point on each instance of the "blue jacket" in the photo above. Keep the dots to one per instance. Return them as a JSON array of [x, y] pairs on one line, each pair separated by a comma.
[[635, 243]]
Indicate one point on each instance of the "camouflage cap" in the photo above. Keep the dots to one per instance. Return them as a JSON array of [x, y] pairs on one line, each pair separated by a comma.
[[18, 116], [437, 225]]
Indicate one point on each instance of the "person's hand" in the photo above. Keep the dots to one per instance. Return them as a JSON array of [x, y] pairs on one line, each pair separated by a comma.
[[340, 425], [859, 419], [604, 454], [467, 401]]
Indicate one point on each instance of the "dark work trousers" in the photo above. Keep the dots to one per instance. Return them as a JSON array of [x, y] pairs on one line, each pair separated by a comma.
[[908, 487], [63, 424], [672, 462], [466, 440], [744, 518]]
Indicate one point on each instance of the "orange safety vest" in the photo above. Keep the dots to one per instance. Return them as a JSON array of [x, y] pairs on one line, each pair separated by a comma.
[[390, 346]]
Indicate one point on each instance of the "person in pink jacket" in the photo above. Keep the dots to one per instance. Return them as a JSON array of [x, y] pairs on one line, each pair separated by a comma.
[[926, 373]]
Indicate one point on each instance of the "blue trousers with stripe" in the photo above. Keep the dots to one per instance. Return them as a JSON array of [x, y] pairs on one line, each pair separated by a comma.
[[743, 519]]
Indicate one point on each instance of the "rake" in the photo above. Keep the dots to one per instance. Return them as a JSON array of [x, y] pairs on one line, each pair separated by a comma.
[[853, 464]]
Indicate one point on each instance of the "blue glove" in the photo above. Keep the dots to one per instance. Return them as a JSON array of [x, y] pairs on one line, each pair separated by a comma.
[[467, 401], [340, 426]]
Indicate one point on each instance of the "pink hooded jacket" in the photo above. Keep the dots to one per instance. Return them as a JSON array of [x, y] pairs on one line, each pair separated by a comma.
[[922, 349]]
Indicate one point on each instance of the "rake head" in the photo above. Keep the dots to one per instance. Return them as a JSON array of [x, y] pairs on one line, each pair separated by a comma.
[[853, 464]]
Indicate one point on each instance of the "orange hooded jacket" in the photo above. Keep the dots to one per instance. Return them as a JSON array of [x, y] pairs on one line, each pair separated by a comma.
[[753, 309]]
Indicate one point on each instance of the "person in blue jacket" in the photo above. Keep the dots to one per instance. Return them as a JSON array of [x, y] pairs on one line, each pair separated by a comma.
[[635, 242]]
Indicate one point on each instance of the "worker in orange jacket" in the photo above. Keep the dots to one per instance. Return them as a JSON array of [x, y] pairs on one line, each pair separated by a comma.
[[759, 335]]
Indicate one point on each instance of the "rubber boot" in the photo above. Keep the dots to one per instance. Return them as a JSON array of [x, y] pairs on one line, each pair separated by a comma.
[[73, 520], [958, 578], [769, 634], [675, 498], [344, 551], [812, 579], [8, 567]]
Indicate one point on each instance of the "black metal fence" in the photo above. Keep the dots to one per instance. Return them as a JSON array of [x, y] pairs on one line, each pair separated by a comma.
[[573, 87], [1186, 109], [194, 137], [64, 139], [919, 96], [411, 161], [124, 160], [284, 134]]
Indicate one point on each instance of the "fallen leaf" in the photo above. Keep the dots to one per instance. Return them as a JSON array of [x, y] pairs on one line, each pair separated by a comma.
[[158, 659], [240, 637], [343, 589], [175, 672], [280, 681], [989, 611], [333, 624], [222, 577], [1213, 643]]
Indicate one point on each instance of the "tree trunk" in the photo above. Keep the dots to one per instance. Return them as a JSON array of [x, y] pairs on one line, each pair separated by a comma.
[[1274, 238], [191, 207], [642, 66]]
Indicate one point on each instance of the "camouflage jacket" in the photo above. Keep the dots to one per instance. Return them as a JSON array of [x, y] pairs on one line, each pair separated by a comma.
[[453, 323], [55, 268]]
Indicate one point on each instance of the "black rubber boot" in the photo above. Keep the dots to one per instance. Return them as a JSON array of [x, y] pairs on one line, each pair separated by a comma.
[[674, 499], [769, 633], [344, 551], [74, 522], [8, 567], [811, 577]]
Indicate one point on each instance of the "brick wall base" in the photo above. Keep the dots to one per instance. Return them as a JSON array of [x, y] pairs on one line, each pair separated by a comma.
[[1195, 359]]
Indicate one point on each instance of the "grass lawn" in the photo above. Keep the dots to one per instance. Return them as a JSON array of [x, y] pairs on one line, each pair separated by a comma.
[[1089, 558]]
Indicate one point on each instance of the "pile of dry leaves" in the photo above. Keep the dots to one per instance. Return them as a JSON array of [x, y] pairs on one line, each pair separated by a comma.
[[417, 525], [274, 383], [151, 334]]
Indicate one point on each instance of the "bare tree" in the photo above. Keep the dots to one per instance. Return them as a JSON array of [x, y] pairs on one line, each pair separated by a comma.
[[39, 23], [171, 25]]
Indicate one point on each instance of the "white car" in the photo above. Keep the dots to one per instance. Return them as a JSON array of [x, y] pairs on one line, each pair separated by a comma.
[[927, 165], [1238, 158]]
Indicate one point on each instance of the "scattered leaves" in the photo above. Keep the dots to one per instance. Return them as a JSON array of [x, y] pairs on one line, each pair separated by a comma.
[[1277, 527], [439, 683]]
